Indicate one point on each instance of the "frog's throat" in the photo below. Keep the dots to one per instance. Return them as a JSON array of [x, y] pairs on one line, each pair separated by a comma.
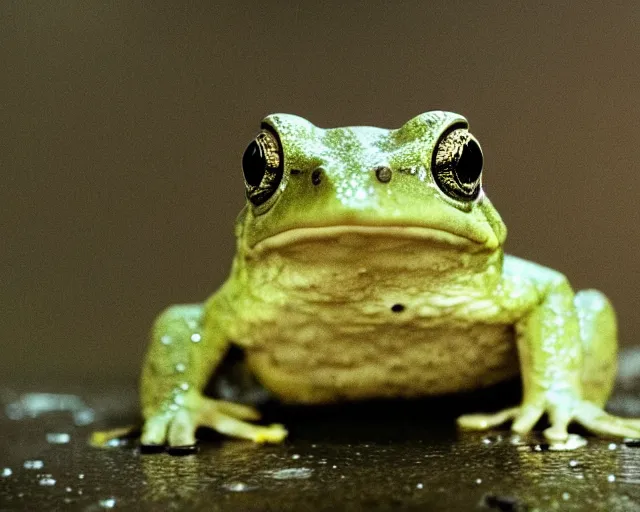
[[323, 233]]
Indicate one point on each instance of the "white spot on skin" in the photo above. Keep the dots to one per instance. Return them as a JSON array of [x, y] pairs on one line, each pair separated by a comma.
[[33, 464], [7, 472], [184, 386], [180, 368], [195, 337], [611, 478], [165, 340]]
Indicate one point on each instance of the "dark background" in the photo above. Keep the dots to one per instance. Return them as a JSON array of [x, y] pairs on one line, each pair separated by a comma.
[[122, 129]]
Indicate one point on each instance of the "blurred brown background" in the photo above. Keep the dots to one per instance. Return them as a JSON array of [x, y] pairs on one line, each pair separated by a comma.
[[122, 129]]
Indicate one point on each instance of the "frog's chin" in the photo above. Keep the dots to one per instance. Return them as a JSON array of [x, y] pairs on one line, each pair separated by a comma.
[[347, 234]]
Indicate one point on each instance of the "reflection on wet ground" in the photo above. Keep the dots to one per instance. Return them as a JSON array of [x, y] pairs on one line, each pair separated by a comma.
[[376, 456]]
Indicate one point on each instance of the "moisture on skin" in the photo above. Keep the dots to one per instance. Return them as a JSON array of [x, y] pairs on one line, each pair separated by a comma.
[[369, 264]]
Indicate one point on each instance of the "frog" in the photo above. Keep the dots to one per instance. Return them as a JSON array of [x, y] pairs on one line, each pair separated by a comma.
[[370, 264]]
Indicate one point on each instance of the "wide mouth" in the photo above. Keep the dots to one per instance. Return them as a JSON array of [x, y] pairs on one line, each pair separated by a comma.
[[298, 235]]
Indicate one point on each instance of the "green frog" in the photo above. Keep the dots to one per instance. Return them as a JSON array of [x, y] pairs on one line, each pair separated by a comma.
[[370, 264]]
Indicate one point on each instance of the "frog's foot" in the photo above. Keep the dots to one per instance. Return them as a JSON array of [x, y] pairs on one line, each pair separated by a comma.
[[176, 425], [582, 412]]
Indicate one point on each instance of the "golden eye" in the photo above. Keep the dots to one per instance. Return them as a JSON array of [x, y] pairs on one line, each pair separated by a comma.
[[262, 165], [457, 165]]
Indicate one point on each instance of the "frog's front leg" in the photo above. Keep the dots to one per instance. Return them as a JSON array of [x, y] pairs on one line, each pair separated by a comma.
[[187, 344], [567, 347]]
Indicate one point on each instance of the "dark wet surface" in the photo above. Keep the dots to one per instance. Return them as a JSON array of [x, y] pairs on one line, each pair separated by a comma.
[[382, 456]]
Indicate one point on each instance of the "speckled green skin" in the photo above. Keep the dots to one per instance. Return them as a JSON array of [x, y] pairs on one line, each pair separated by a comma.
[[318, 269]]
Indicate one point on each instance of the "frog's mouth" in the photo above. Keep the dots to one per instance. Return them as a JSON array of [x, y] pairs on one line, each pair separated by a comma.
[[349, 233]]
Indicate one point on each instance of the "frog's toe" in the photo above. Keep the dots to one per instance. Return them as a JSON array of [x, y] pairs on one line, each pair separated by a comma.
[[154, 430], [596, 420], [487, 421], [218, 418], [182, 429], [239, 411]]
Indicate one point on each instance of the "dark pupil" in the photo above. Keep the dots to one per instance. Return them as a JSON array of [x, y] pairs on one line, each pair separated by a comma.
[[470, 164], [254, 164]]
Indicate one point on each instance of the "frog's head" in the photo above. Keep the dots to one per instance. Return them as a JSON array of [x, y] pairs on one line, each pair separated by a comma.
[[423, 180]]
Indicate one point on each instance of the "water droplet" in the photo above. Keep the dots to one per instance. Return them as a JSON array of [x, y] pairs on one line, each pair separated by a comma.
[[180, 367], [566, 496], [295, 456], [47, 481], [184, 386], [68, 489], [611, 478], [491, 439], [237, 487], [108, 503], [165, 340], [612, 446], [290, 473], [33, 464], [478, 481], [178, 400], [81, 476], [116, 442], [573, 463], [516, 440], [7, 472], [195, 337], [334, 467], [419, 486], [58, 438]]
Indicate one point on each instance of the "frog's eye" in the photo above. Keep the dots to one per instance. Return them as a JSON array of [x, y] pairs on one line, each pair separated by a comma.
[[457, 165], [262, 165]]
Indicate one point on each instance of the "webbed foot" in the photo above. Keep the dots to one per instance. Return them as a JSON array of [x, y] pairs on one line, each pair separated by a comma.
[[176, 425], [581, 412]]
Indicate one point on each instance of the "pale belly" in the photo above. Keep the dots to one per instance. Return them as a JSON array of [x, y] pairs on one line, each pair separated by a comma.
[[319, 325], [314, 362]]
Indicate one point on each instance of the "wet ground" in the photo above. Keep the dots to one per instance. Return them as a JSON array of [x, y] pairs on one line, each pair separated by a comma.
[[376, 456]]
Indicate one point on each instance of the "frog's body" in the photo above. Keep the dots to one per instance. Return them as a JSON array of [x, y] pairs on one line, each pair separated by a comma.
[[370, 264]]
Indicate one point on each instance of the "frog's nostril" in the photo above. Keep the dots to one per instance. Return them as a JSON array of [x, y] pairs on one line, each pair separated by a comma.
[[316, 176], [383, 174]]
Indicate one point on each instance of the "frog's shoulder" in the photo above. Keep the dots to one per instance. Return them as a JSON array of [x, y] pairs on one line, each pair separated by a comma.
[[519, 269]]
